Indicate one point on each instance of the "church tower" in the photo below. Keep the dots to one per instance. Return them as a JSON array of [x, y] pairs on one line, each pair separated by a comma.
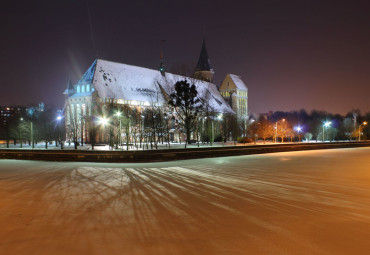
[[204, 70], [162, 68], [235, 92]]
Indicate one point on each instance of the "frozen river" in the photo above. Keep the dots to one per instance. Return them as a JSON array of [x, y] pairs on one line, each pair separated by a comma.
[[307, 202]]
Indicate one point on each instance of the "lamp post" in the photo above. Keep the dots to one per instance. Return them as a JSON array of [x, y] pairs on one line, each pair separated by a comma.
[[168, 130], [326, 125], [32, 141], [299, 129], [19, 131], [204, 130], [359, 129], [59, 118], [82, 130], [219, 117], [142, 132], [212, 133], [276, 128], [118, 114], [103, 121], [245, 126]]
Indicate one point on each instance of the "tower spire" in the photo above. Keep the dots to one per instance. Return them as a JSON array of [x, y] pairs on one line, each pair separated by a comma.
[[161, 61], [204, 70]]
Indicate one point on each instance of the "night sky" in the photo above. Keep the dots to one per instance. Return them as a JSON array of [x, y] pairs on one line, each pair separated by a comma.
[[291, 54]]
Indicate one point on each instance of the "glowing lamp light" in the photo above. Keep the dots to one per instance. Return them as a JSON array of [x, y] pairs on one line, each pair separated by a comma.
[[118, 114], [327, 124], [103, 121], [219, 117], [364, 123], [59, 117], [298, 128]]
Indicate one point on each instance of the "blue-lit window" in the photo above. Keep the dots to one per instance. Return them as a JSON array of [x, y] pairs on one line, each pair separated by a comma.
[[78, 89], [83, 88], [87, 87]]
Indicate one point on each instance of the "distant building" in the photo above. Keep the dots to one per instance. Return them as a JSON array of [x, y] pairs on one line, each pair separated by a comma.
[[8, 113]]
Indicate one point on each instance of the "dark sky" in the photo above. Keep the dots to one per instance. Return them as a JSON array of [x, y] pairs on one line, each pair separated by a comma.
[[291, 54]]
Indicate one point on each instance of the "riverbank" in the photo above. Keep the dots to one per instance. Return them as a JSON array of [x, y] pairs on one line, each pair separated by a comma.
[[167, 154]]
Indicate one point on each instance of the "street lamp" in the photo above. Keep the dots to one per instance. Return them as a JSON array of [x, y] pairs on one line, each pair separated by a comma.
[[219, 117], [103, 121], [118, 114], [326, 125], [19, 131], [142, 132], [213, 132], [245, 126], [298, 129], [277, 129], [359, 129], [168, 130], [204, 130], [59, 118], [32, 140]]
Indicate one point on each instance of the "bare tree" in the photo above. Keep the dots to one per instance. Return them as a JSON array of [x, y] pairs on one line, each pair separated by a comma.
[[265, 129], [283, 130], [72, 124]]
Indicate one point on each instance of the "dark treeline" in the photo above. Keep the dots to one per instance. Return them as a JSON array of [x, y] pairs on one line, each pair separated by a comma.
[[316, 125], [30, 125], [40, 124]]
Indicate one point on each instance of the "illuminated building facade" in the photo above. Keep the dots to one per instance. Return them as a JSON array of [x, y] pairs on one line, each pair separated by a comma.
[[125, 86]]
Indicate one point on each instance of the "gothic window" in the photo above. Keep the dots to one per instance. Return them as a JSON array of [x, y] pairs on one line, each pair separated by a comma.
[[87, 87], [83, 88], [78, 89]]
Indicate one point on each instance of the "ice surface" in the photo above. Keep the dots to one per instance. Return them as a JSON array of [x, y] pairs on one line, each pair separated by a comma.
[[307, 202]]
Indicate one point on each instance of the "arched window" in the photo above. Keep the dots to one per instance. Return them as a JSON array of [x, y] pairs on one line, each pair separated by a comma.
[[83, 88], [78, 89], [87, 87]]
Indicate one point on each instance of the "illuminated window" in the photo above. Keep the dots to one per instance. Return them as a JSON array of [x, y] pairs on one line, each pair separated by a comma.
[[83, 88], [78, 89]]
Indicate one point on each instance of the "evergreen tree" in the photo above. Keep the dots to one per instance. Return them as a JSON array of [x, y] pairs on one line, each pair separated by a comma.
[[186, 104]]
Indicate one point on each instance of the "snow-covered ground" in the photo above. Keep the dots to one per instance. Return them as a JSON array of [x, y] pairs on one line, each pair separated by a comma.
[[307, 202], [51, 146]]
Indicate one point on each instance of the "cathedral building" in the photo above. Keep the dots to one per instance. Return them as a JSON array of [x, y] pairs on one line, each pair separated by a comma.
[[106, 82]]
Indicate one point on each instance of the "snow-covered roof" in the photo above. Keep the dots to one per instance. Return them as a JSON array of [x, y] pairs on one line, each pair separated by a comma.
[[89, 74], [238, 82], [127, 82]]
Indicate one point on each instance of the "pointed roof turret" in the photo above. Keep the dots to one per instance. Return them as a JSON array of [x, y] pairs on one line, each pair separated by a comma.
[[70, 89], [70, 84], [162, 68], [204, 64], [88, 77]]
